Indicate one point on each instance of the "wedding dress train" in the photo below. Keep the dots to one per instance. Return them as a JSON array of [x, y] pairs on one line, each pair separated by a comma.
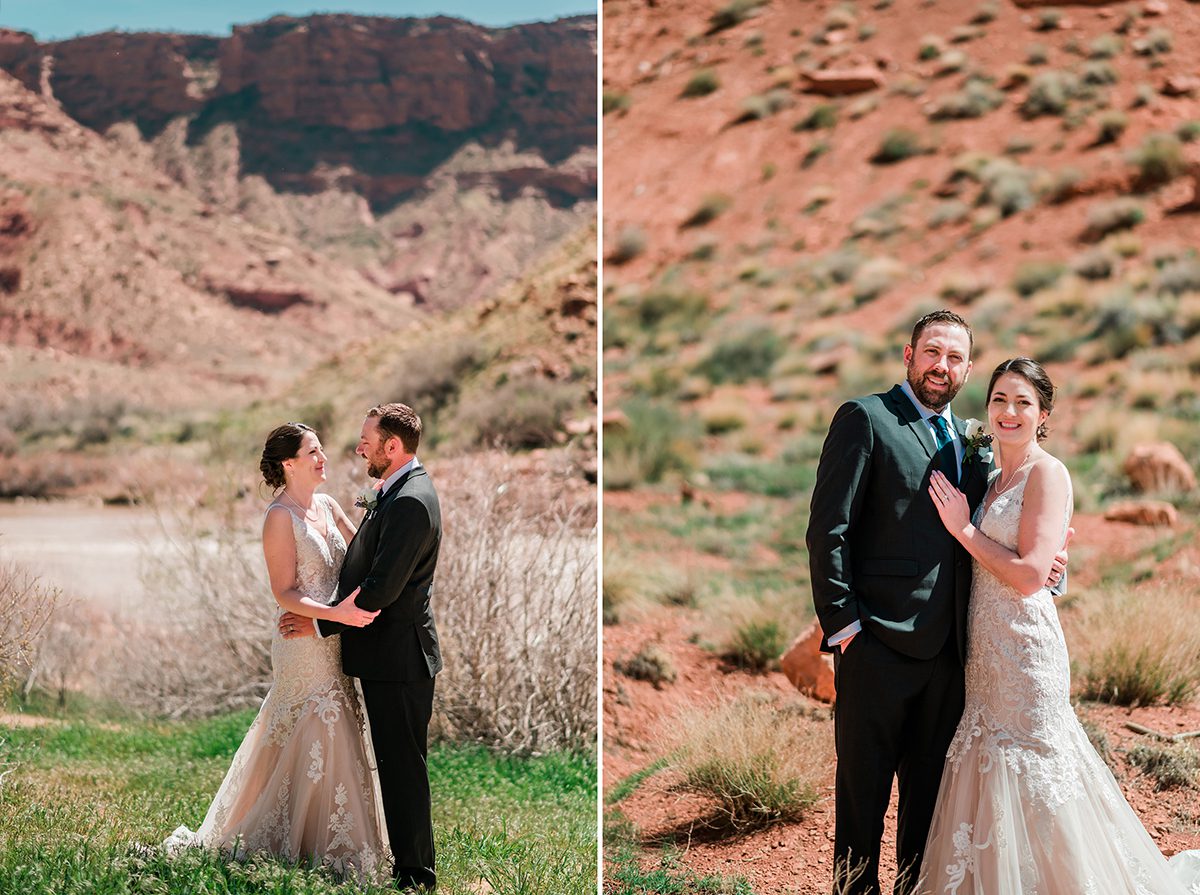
[[301, 785], [1026, 806]]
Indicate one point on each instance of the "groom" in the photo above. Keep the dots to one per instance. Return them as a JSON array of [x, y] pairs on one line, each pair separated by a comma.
[[890, 587], [392, 558]]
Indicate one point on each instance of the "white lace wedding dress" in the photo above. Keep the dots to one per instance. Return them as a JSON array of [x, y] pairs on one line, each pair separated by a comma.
[[1026, 806], [301, 785]]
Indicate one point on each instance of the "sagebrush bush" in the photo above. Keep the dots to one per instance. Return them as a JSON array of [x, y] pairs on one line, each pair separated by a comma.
[[1034, 276], [615, 101], [1180, 276], [710, 208], [1094, 264], [1159, 160], [26, 604], [975, 100], [764, 105], [702, 82], [650, 663], [897, 145], [1050, 93], [1111, 126], [631, 242], [1109, 217], [733, 13], [1106, 46], [1156, 42], [822, 116], [1098, 73], [760, 759], [1048, 19], [746, 352], [522, 413], [1169, 766], [874, 278], [950, 211]]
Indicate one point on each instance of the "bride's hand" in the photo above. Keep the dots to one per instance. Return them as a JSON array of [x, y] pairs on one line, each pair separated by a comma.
[[951, 504], [347, 613]]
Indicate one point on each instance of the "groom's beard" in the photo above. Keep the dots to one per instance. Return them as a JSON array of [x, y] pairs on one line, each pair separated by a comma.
[[927, 396], [377, 465]]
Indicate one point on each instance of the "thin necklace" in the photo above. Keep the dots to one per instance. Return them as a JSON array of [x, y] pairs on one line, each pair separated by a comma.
[[1000, 486], [292, 501]]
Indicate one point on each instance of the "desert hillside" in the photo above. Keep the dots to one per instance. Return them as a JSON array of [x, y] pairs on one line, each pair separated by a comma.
[[788, 186], [191, 227]]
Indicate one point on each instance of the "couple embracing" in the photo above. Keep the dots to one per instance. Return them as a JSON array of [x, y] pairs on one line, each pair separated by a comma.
[[936, 555], [311, 782]]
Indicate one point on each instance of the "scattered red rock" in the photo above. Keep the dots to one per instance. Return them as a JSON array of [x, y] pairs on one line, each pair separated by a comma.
[[1159, 466], [1143, 512], [1180, 85], [809, 669], [842, 82]]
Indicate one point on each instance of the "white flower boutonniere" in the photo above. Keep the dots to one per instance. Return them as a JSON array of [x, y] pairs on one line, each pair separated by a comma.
[[369, 498], [978, 444]]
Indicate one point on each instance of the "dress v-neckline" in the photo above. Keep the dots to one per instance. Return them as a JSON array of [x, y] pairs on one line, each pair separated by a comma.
[[304, 519], [995, 493]]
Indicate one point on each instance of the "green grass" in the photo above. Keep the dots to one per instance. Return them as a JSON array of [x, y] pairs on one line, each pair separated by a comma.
[[626, 875], [627, 786], [82, 793]]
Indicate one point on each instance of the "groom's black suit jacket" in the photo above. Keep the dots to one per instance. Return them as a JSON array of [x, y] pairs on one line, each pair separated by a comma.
[[878, 552], [393, 558]]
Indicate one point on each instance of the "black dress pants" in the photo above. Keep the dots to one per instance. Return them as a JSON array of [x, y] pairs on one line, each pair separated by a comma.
[[895, 717], [399, 713]]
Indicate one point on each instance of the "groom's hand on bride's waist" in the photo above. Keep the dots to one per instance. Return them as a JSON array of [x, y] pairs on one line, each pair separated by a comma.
[[292, 626]]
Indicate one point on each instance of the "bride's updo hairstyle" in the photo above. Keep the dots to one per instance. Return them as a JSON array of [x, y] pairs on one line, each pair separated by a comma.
[[1033, 373], [282, 444]]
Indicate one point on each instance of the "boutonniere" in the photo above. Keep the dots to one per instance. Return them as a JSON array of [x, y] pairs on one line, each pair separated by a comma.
[[368, 499], [978, 444]]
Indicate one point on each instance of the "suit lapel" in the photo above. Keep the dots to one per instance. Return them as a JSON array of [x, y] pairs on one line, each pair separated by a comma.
[[912, 419]]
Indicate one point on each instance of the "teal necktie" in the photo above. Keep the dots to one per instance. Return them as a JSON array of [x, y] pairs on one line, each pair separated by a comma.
[[947, 458]]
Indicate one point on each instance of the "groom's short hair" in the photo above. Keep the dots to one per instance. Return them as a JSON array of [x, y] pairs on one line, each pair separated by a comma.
[[942, 316], [400, 421]]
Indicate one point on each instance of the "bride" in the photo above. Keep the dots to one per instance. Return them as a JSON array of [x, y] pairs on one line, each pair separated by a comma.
[[301, 785], [1026, 805]]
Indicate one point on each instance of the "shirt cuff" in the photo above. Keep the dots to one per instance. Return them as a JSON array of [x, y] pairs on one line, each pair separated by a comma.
[[846, 633]]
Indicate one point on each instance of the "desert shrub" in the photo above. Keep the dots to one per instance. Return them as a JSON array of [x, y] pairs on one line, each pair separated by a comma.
[[1037, 54], [1094, 264], [668, 308], [963, 287], [1062, 184], [431, 379], [897, 145], [820, 116], [651, 663], [615, 101], [950, 211], [653, 442], [1156, 42], [874, 278], [756, 645], [1109, 217], [1007, 186], [1143, 95], [1034, 276], [761, 759], [725, 416], [1019, 144], [26, 604], [931, 47], [1180, 276], [975, 100], [746, 352], [1050, 94], [880, 221], [516, 606], [764, 105], [839, 266], [818, 149], [1098, 73], [1127, 663], [1188, 131], [1169, 766], [986, 13], [703, 82], [711, 207], [1159, 160], [733, 13], [618, 589], [1048, 19], [631, 242], [522, 413], [1106, 46], [1112, 125], [1125, 322]]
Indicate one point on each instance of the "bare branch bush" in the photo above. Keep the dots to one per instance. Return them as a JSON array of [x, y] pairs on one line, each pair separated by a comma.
[[515, 601], [26, 604]]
